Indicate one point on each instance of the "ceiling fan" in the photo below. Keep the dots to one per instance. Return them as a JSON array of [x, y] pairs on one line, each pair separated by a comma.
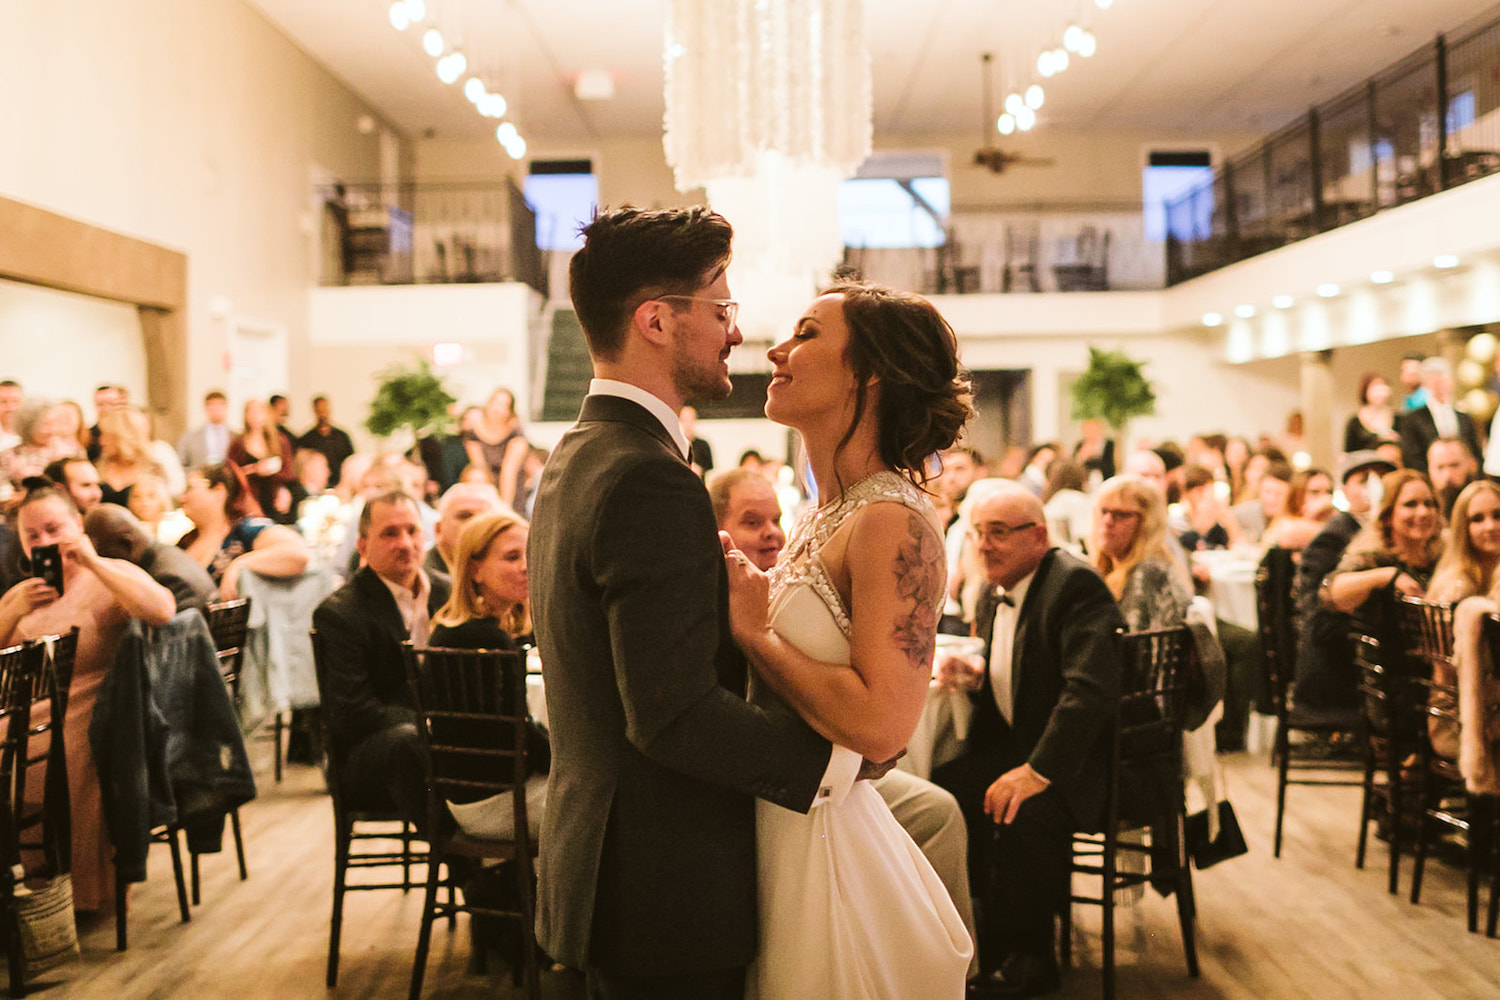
[[991, 157]]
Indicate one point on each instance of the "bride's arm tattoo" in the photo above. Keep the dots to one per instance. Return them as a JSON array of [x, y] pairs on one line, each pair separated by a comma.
[[920, 570]]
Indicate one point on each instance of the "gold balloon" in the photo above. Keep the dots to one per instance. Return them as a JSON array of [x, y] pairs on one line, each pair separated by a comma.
[[1482, 348], [1470, 374], [1480, 405]]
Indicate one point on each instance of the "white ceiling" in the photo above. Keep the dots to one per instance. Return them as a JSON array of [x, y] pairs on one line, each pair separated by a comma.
[[1194, 66]]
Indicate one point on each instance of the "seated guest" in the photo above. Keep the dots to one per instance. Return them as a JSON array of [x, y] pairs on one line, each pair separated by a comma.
[[1436, 419], [489, 607], [1451, 467], [459, 505], [80, 479], [1038, 462], [99, 598], [1070, 513], [30, 457], [1130, 552], [1472, 551], [70, 432], [1147, 465], [747, 509], [361, 627], [118, 534], [1036, 765], [1309, 505], [1373, 423], [150, 501], [229, 535], [312, 472], [1326, 676], [1209, 525], [124, 453], [1272, 490], [1396, 553]]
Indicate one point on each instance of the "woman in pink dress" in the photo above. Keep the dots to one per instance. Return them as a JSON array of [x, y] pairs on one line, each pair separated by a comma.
[[99, 597]]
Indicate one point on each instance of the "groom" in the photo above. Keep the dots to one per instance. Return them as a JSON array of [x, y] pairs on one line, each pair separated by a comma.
[[647, 859]]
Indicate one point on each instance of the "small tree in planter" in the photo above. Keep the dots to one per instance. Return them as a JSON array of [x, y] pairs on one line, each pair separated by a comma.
[[413, 398], [1113, 390]]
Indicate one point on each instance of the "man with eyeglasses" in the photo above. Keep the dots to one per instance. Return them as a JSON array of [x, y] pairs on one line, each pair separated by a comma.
[[1036, 765]]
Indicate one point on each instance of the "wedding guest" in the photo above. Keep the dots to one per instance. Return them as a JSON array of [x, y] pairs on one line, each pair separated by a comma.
[[1273, 487], [99, 598], [1236, 457], [229, 535], [1130, 552], [1414, 393], [333, 443], [700, 452], [1451, 467], [1096, 451], [1326, 676], [208, 444], [106, 397], [312, 472], [168, 465], [1396, 553], [281, 414], [124, 453], [80, 479], [1038, 461], [70, 431], [1309, 506], [496, 441], [11, 397], [1070, 512], [462, 503], [1374, 422], [1472, 550], [33, 428], [1438, 418], [1208, 523], [150, 501], [265, 454], [118, 534]]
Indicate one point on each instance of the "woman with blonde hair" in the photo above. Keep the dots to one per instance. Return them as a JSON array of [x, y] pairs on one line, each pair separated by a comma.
[[1131, 553], [1472, 552], [124, 453], [490, 605]]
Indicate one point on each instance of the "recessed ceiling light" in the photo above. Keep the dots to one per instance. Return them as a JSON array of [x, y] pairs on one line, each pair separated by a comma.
[[1445, 260], [1382, 277], [1244, 311], [1213, 319], [1283, 301], [1327, 290]]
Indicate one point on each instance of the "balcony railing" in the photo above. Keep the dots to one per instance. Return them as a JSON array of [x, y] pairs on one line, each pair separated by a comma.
[[429, 234], [1429, 123], [1025, 248]]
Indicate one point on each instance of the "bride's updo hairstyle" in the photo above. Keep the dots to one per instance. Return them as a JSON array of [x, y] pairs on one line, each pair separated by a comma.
[[924, 398]]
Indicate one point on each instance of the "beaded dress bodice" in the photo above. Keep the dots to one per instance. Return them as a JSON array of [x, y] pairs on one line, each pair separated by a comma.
[[801, 562]]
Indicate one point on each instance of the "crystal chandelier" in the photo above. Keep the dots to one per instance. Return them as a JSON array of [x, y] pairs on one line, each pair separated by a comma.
[[768, 109]]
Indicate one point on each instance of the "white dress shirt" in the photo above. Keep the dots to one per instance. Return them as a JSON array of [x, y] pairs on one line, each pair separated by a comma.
[[413, 607], [1002, 645], [653, 404], [1443, 418]]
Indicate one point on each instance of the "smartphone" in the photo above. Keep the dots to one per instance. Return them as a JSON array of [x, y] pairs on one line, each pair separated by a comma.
[[46, 563]]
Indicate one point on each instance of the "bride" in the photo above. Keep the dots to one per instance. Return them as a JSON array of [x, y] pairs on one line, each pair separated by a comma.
[[842, 633]]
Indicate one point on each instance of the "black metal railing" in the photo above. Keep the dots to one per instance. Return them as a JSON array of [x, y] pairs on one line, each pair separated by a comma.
[[1429, 123], [403, 234]]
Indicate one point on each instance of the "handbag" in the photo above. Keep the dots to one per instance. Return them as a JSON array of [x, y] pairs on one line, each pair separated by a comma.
[[44, 913], [1207, 852]]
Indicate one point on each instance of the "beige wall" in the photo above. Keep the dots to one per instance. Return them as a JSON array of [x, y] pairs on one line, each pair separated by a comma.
[[190, 124]]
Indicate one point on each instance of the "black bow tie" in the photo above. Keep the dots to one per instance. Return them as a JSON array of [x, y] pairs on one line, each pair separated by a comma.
[[1007, 600]]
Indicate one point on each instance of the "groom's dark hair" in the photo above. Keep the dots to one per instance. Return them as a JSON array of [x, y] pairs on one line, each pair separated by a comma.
[[631, 255]]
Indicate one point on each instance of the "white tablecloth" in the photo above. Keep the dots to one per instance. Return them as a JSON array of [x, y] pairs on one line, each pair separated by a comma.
[[1231, 585]]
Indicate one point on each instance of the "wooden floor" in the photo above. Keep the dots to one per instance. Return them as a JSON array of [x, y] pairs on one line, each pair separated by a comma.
[[1307, 925]]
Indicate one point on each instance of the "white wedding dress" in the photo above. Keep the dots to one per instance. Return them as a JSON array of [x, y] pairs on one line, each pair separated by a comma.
[[849, 907]]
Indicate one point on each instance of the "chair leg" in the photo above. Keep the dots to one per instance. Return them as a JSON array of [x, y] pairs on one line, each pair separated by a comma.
[[1282, 752], [1107, 899], [1065, 927], [1187, 906], [424, 936], [1393, 801], [182, 896], [16, 957], [1479, 850], [193, 871], [406, 831], [239, 842], [276, 730], [1365, 803], [120, 888], [340, 873]]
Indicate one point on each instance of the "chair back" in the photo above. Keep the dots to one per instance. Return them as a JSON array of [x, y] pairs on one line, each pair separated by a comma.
[[228, 622], [1426, 630], [1146, 765], [31, 736], [1275, 624], [333, 758], [471, 718]]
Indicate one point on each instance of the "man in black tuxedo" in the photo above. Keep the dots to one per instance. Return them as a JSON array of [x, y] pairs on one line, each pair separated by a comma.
[[1036, 766], [647, 864], [361, 627], [1438, 419]]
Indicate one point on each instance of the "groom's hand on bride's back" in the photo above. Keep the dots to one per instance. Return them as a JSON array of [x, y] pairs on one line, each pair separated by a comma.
[[870, 770]]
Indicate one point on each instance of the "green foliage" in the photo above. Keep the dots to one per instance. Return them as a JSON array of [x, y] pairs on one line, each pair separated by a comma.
[[410, 397], [1113, 390]]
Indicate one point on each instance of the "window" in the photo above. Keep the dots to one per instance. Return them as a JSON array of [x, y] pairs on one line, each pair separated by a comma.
[[564, 195], [895, 200], [1168, 177]]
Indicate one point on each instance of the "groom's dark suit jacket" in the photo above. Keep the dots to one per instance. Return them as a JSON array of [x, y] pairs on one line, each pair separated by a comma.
[[1065, 679], [647, 855]]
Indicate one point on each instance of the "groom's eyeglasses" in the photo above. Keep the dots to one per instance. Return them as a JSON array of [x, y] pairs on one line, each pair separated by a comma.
[[728, 309]]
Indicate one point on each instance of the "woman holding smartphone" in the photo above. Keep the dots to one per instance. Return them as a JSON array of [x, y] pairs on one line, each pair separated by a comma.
[[99, 597]]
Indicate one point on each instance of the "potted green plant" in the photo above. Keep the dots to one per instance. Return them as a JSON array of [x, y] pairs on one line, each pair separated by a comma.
[[413, 398], [1112, 389]]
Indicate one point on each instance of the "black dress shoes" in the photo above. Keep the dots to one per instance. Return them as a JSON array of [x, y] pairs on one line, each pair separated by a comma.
[[1019, 976]]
